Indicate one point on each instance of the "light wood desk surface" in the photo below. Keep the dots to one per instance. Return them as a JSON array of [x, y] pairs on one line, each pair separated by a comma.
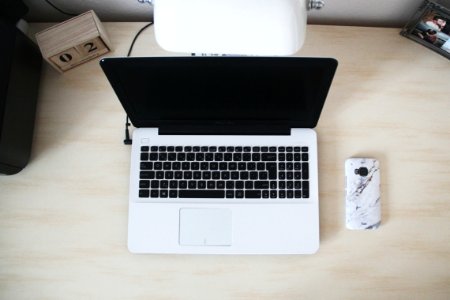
[[63, 219]]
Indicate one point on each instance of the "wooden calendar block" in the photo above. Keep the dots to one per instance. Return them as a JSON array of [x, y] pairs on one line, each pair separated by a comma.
[[73, 42]]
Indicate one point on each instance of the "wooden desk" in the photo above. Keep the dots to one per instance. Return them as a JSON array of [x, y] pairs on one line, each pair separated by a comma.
[[63, 219]]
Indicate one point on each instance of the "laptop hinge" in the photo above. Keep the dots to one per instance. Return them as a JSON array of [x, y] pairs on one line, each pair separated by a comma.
[[224, 130]]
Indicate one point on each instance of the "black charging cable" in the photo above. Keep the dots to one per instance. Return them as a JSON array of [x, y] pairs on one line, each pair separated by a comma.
[[60, 10], [128, 140]]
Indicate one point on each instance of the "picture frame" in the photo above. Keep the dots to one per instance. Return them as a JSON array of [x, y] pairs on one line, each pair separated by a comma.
[[430, 26]]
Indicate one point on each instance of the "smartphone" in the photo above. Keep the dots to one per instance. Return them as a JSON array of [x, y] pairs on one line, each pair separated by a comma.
[[362, 193]]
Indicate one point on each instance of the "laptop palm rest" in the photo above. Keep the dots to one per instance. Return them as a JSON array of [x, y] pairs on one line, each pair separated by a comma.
[[205, 227]]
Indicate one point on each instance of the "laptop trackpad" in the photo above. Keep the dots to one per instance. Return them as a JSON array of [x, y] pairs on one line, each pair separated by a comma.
[[205, 227]]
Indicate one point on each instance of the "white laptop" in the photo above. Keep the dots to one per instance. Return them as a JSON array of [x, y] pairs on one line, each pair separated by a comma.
[[224, 155]]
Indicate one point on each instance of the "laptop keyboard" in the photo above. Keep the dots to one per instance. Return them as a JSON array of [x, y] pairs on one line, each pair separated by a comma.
[[224, 172]]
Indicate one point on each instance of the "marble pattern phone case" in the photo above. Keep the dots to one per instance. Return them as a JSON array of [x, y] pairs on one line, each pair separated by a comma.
[[362, 202]]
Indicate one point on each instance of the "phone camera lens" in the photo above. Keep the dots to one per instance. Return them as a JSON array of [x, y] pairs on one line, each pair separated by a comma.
[[363, 171]]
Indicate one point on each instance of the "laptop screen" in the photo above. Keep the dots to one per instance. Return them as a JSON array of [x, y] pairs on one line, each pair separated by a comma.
[[158, 91]]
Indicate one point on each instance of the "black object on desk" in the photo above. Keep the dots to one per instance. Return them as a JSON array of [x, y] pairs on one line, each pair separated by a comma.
[[20, 69]]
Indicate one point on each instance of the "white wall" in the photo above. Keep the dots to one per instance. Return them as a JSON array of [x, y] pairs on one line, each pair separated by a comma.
[[390, 13]]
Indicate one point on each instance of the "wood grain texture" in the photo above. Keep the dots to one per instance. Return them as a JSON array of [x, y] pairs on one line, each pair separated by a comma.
[[63, 219]]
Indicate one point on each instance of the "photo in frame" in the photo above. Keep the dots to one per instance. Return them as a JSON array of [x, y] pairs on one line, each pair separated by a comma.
[[430, 26]]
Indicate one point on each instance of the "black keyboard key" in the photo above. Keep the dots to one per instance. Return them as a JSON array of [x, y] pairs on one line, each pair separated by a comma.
[[238, 149], [220, 185], [206, 175], [204, 166], [232, 166], [209, 156], [281, 175], [173, 184], [273, 185], [178, 149], [272, 169], [144, 149], [230, 149], [239, 185], [154, 194], [305, 185], [144, 184], [146, 165], [297, 157], [185, 166], [235, 175], [256, 156], [253, 194], [154, 148], [261, 185], [144, 156], [289, 166], [176, 165], [264, 149], [246, 157], [187, 175], [244, 175], [237, 156], [215, 175], [297, 166], [282, 166], [265, 194], [170, 149], [289, 149], [190, 156], [282, 184], [251, 166], [304, 149], [196, 149], [297, 194], [163, 193], [222, 149], [229, 194], [213, 166], [290, 194], [212, 149], [305, 171], [305, 157], [164, 184], [260, 166], [230, 184], [188, 149], [159, 175], [199, 156], [263, 175], [201, 194], [192, 184], [211, 184], [289, 175], [256, 149], [305, 193], [172, 156], [223, 166], [228, 157], [197, 175], [154, 184], [297, 185], [289, 156], [218, 156], [204, 149], [167, 166], [162, 148], [144, 193], [289, 185], [173, 194], [272, 149], [249, 185], [281, 149], [282, 194], [182, 184], [268, 157], [273, 194], [239, 194], [254, 175], [296, 149], [181, 156], [247, 149], [242, 166], [162, 156], [297, 175], [201, 184], [146, 174], [225, 175], [281, 156], [153, 156]]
